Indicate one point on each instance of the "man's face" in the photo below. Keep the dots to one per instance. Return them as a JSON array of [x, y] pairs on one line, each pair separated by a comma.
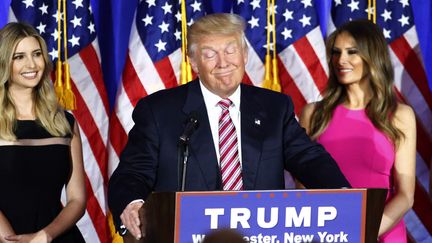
[[219, 61]]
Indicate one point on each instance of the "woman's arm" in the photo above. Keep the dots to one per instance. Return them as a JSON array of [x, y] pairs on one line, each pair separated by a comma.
[[5, 228], [306, 115], [304, 121], [75, 200], [404, 170], [75, 192]]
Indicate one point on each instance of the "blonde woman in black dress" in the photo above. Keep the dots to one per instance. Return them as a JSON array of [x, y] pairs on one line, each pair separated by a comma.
[[40, 146]]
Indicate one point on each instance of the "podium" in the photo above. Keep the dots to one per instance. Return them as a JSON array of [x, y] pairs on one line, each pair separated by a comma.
[[328, 215]]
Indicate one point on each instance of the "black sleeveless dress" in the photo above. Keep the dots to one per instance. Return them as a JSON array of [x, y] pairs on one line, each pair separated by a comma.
[[33, 171]]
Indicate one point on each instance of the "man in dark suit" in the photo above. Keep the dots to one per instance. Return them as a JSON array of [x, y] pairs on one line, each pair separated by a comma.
[[265, 137]]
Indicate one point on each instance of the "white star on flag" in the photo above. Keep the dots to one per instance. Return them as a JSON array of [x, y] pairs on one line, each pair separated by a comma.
[[41, 27], [305, 20], [43, 9], [196, 6], [286, 33], [161, 45], [147, 20], [288, 15], [167, 8], [78, 3], [354, 5], [28, 3], [76, 21], [253, 22], [164, 27], [404, 20], [386, 15], [74, 40]]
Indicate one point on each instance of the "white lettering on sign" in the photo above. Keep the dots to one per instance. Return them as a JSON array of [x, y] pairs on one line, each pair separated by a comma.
[[292, 238], [240, 216], [301, 219], [326, 214], [273, 218], [326, 237], [294, 217], [214, 213]]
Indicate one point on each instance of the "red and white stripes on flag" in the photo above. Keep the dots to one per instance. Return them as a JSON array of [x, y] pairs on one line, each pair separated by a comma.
[[92, 117], [302, 69]]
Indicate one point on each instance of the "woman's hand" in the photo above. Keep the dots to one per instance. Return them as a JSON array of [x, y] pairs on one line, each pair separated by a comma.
[[38, 237]]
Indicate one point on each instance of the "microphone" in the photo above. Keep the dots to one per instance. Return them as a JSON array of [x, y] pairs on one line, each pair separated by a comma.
[[183, 148], [192, 124]]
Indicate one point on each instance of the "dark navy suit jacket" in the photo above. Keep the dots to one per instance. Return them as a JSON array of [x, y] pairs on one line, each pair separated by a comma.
[[272, 140]]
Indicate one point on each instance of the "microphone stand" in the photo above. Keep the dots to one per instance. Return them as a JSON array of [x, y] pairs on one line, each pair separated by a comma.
[[185, 159], [183, 155]]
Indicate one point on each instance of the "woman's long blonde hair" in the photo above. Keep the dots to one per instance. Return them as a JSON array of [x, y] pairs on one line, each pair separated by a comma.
[[47, 110], [373, 50]]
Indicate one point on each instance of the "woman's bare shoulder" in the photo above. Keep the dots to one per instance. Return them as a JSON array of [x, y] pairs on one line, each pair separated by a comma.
[[404, 116]]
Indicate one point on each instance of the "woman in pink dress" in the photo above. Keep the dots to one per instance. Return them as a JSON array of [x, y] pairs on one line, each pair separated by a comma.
[[363, 126]]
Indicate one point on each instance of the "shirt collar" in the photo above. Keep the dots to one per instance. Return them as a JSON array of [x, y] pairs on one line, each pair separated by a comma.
[[212, 99]]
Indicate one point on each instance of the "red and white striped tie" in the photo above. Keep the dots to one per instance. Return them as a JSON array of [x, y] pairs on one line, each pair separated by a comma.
[[228, 150]]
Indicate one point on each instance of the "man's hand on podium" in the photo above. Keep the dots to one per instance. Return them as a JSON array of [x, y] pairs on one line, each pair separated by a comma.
[[131, 219]]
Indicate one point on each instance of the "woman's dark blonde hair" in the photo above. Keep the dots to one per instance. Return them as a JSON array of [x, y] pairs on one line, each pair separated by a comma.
[[373, 50], [47, 110]]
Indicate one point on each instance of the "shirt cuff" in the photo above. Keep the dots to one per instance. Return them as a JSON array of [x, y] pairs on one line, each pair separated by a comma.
[[136, 200], [123, 230]]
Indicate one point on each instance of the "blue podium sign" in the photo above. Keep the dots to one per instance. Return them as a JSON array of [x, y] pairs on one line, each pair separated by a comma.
[[273, 216]]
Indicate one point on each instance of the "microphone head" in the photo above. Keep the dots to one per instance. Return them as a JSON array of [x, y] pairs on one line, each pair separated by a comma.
[[191, 125]]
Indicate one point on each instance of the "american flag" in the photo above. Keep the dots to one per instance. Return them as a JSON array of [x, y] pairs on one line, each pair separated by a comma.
[[299, 44], [397, 23], [89, 89], [152, 63]]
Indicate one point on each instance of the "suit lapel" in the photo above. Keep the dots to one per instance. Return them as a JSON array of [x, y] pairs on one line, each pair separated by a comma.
[[253, 119], [201, 142]]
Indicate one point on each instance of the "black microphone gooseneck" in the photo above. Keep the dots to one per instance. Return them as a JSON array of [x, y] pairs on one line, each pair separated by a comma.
[[183, 148]]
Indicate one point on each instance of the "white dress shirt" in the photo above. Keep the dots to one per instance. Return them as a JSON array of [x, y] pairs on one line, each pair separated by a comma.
[[214, 111]]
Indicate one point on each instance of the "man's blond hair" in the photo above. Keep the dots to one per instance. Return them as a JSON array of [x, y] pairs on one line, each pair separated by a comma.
[[215, 24]]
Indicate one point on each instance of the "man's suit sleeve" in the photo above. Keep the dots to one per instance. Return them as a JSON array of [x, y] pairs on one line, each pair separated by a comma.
[[135, 175], [308, 161]]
